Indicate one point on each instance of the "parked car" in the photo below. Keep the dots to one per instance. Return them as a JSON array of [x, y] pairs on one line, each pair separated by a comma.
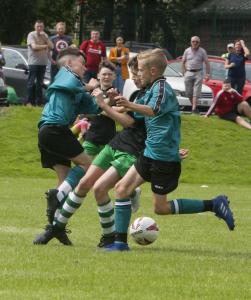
[[16, 69], [218, 74], [176, 81]]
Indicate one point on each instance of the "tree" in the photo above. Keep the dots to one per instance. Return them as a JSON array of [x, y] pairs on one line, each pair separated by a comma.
[[16, 17]]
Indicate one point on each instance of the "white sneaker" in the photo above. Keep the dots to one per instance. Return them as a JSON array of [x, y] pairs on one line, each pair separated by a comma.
[[135, 199]]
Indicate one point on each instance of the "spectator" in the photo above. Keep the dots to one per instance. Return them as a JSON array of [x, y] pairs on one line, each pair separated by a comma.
[[230, 49], [39, 46], [60, 41], [235, 63], [95, 52], [229, 105], [192, 64], [119, 55]]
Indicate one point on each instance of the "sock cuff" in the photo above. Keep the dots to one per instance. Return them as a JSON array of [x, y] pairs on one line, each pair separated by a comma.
[[75, 198], [122, 202], [175, 206], [105, 207]]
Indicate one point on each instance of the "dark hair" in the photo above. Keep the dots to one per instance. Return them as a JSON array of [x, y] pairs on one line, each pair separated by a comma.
[[107, 64], [133, 63], [227, 81], [70, 51]]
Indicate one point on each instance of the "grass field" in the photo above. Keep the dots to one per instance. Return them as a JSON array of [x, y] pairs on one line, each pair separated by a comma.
[[195, 256]]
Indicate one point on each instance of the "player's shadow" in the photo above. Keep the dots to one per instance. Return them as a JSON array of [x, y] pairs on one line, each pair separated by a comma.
[[194, 252]]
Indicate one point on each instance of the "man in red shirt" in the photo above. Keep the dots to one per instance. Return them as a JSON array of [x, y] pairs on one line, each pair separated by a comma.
[[95, 52], [229, 105]]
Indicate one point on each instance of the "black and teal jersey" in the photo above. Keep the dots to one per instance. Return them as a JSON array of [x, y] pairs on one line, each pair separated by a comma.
[[163, 129]]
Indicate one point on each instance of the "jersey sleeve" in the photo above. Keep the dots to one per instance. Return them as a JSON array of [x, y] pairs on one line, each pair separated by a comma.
[[157, 97], [88, 105]]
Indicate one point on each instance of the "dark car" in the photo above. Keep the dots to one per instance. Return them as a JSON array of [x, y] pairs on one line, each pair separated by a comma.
[[16, 69]]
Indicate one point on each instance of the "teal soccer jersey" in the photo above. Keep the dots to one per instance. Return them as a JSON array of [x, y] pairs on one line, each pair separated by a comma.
[[163, 129]]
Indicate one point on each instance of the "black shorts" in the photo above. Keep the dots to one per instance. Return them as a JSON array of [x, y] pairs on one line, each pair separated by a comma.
[[164, 176], [57, 145], [232, 115]]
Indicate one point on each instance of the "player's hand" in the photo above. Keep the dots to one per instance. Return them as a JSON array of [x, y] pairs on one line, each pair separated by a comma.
[[112, 93], [122, 101], [92, 84], [183, 153], [98, 94]]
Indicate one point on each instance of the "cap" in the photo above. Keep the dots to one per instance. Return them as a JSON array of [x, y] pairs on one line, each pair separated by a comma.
[[231, 45]]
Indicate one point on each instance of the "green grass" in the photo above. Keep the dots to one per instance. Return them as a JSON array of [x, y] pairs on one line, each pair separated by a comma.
[[195, 256]]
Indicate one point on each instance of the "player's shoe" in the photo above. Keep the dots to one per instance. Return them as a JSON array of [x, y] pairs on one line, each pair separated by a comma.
[[223, 211], [117, 246], [106, 240], [51, 232], [52, 204], [135, 204]]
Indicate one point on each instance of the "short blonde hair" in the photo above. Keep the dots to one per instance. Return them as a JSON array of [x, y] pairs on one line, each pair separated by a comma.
[[154, 58]]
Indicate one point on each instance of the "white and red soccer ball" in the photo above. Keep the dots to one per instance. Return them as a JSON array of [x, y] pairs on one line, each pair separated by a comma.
[[144, 231]]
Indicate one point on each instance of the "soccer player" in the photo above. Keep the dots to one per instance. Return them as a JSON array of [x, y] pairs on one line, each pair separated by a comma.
[[66, 99], [100, 132], [160, 161]]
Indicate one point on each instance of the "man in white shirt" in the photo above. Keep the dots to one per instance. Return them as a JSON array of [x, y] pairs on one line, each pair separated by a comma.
[[39, 46], [192, 63]]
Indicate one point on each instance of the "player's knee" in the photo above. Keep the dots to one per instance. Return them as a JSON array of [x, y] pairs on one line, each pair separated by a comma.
[[121, 191], [85, 184], [99, 191]]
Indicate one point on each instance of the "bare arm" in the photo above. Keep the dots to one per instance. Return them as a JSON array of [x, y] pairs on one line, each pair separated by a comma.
[[245, 48], [124, 119], [207, 69], [228, 65], [183, 66], [140, 108]]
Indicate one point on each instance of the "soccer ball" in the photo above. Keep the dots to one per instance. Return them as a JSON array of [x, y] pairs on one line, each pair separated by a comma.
[[144, 231]]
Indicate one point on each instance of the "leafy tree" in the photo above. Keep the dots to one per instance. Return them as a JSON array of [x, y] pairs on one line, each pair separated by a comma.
[[16, 19]]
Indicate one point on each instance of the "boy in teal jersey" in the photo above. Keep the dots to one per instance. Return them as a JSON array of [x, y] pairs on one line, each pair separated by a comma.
[[100, 132], [160, 162], [66, 99]]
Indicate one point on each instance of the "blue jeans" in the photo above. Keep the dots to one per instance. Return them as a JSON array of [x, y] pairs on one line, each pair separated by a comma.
[[238, 84], [35, 84], [119, 81]]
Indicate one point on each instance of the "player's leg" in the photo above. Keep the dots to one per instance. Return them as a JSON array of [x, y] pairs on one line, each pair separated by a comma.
[[105, 206], [123, 190], [76, 198], [165, 178], [70, 206], [240, 121]]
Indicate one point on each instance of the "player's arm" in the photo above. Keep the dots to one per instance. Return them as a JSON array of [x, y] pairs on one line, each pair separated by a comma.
[[140, 108], [124, 119]]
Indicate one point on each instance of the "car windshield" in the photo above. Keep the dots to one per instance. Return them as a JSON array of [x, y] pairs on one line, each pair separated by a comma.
[[217, 70], [176, 65], [170, 72]]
